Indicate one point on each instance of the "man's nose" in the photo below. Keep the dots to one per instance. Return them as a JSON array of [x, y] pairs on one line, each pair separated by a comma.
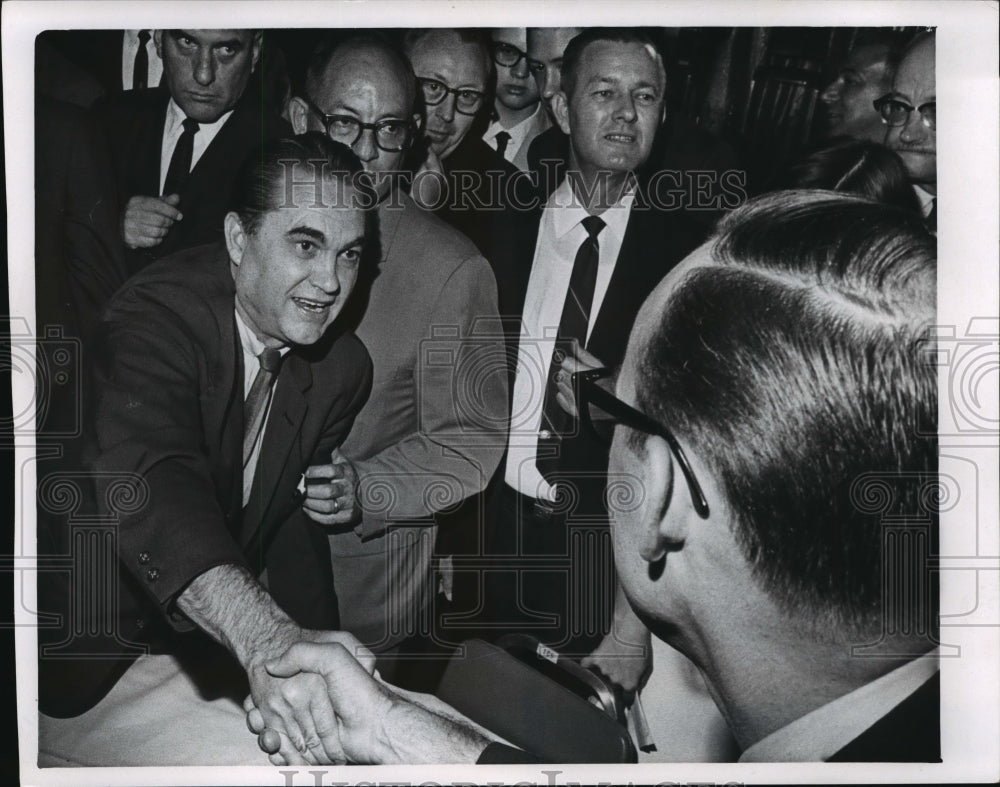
[[365, 148], [832, 92], [553, 77], [446, 109], [913, 129], [325, 275], [204, 68], [625, 111], [520, 69]]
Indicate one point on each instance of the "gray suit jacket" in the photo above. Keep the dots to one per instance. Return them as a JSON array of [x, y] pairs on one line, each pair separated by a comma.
[[434, 428]]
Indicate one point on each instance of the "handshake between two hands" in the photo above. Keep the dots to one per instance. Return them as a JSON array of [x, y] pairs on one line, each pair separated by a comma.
[[317, 702]]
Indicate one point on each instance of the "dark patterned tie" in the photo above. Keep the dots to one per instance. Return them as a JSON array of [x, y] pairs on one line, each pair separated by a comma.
[[255, 406], [503, 139], [572, 325], [140, 71], [180, 162]]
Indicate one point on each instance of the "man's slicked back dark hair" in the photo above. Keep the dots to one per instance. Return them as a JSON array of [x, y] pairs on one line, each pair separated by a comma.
[[619, 35], [796, 364], [263, 183]]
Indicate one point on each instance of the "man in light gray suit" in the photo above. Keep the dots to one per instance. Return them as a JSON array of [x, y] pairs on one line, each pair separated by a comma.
[[433, 430]]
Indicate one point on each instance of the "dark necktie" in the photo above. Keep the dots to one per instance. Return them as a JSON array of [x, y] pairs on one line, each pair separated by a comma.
[[572, 325], [255, 406], [503, 139], [140, 71], [931, 219], [180, 162]]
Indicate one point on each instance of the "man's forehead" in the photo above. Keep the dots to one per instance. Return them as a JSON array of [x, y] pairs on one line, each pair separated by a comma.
[[615, 61], [218, 36], [369, 72], [550, 42], [516, 36], [915, 74], [867, 56]]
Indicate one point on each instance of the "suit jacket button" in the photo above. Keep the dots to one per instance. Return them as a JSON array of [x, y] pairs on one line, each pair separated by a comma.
[[545, 434], [143, 558], [140, 623], [153, 574]]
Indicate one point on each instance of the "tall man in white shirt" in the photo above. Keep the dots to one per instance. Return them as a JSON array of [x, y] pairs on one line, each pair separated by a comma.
[[176, 149], [521, 116], [594, 260]]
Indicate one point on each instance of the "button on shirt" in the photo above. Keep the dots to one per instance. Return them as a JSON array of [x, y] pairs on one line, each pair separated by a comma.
[[252, 348], [172, 130], [130, 46], [560, 234]]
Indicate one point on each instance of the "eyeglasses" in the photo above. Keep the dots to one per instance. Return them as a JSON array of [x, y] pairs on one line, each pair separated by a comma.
[[391, 135], [507, 55], [896, 113], [600, 411], [467, 101]]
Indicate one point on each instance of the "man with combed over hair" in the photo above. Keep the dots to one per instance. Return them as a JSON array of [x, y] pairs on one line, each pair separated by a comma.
[[776, 418]]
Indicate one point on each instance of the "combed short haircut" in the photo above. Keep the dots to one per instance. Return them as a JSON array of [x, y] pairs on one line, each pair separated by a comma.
[[794, 365], [618, 35], [333, 44], [262, 184]]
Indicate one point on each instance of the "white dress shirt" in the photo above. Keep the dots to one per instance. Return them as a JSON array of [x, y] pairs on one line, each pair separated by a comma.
[[130, 46], [521, 135], [820, 734], [173, 128], [252, 348], [560, 235]]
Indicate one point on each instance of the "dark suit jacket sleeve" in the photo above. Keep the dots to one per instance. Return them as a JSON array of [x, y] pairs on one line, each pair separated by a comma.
[[153, 379], [501, 754]]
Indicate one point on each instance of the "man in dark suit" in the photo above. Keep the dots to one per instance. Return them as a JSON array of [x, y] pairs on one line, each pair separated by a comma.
[[482, 195], [176, 149], [598, 252], [223, 394], [750, 535]]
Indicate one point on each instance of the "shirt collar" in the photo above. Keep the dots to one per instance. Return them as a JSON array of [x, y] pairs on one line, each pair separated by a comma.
[[176, 116], [823, 732], [570, 212], [517, 132], [252, 346], [926, 200]]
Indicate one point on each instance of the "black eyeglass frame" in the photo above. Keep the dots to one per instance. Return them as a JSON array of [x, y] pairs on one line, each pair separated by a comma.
[[588, 391], [499, 45], [454, 91], [890, 99], [363, 127]]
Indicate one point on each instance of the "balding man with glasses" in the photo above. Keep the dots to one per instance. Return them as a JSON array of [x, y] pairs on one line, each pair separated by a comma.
[[909, 111], [421, 443], [483, 195], [520, 113]]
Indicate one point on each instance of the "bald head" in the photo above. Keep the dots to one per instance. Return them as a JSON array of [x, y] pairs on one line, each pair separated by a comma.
[[355, 90]]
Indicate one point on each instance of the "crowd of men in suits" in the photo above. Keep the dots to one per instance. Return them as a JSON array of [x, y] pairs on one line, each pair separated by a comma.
[[333, 314]]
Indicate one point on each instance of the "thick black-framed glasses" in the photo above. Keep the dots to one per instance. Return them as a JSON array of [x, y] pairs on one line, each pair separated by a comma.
[[391, 135], [601, 410], [895, 112], [507, 55], [467, 100]]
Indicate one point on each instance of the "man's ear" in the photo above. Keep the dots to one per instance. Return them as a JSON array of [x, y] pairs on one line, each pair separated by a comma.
[[255, 47], [298, 115], [158, 43], [236, 238], [665, 509], [560, 108]]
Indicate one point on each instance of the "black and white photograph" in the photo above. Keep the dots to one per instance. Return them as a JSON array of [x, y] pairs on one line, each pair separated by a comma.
[[613, 402]]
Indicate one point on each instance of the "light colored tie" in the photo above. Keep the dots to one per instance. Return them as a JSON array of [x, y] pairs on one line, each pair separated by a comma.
[[257, 401]]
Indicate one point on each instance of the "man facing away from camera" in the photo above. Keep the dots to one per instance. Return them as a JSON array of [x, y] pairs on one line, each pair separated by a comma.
[[772, 380]]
